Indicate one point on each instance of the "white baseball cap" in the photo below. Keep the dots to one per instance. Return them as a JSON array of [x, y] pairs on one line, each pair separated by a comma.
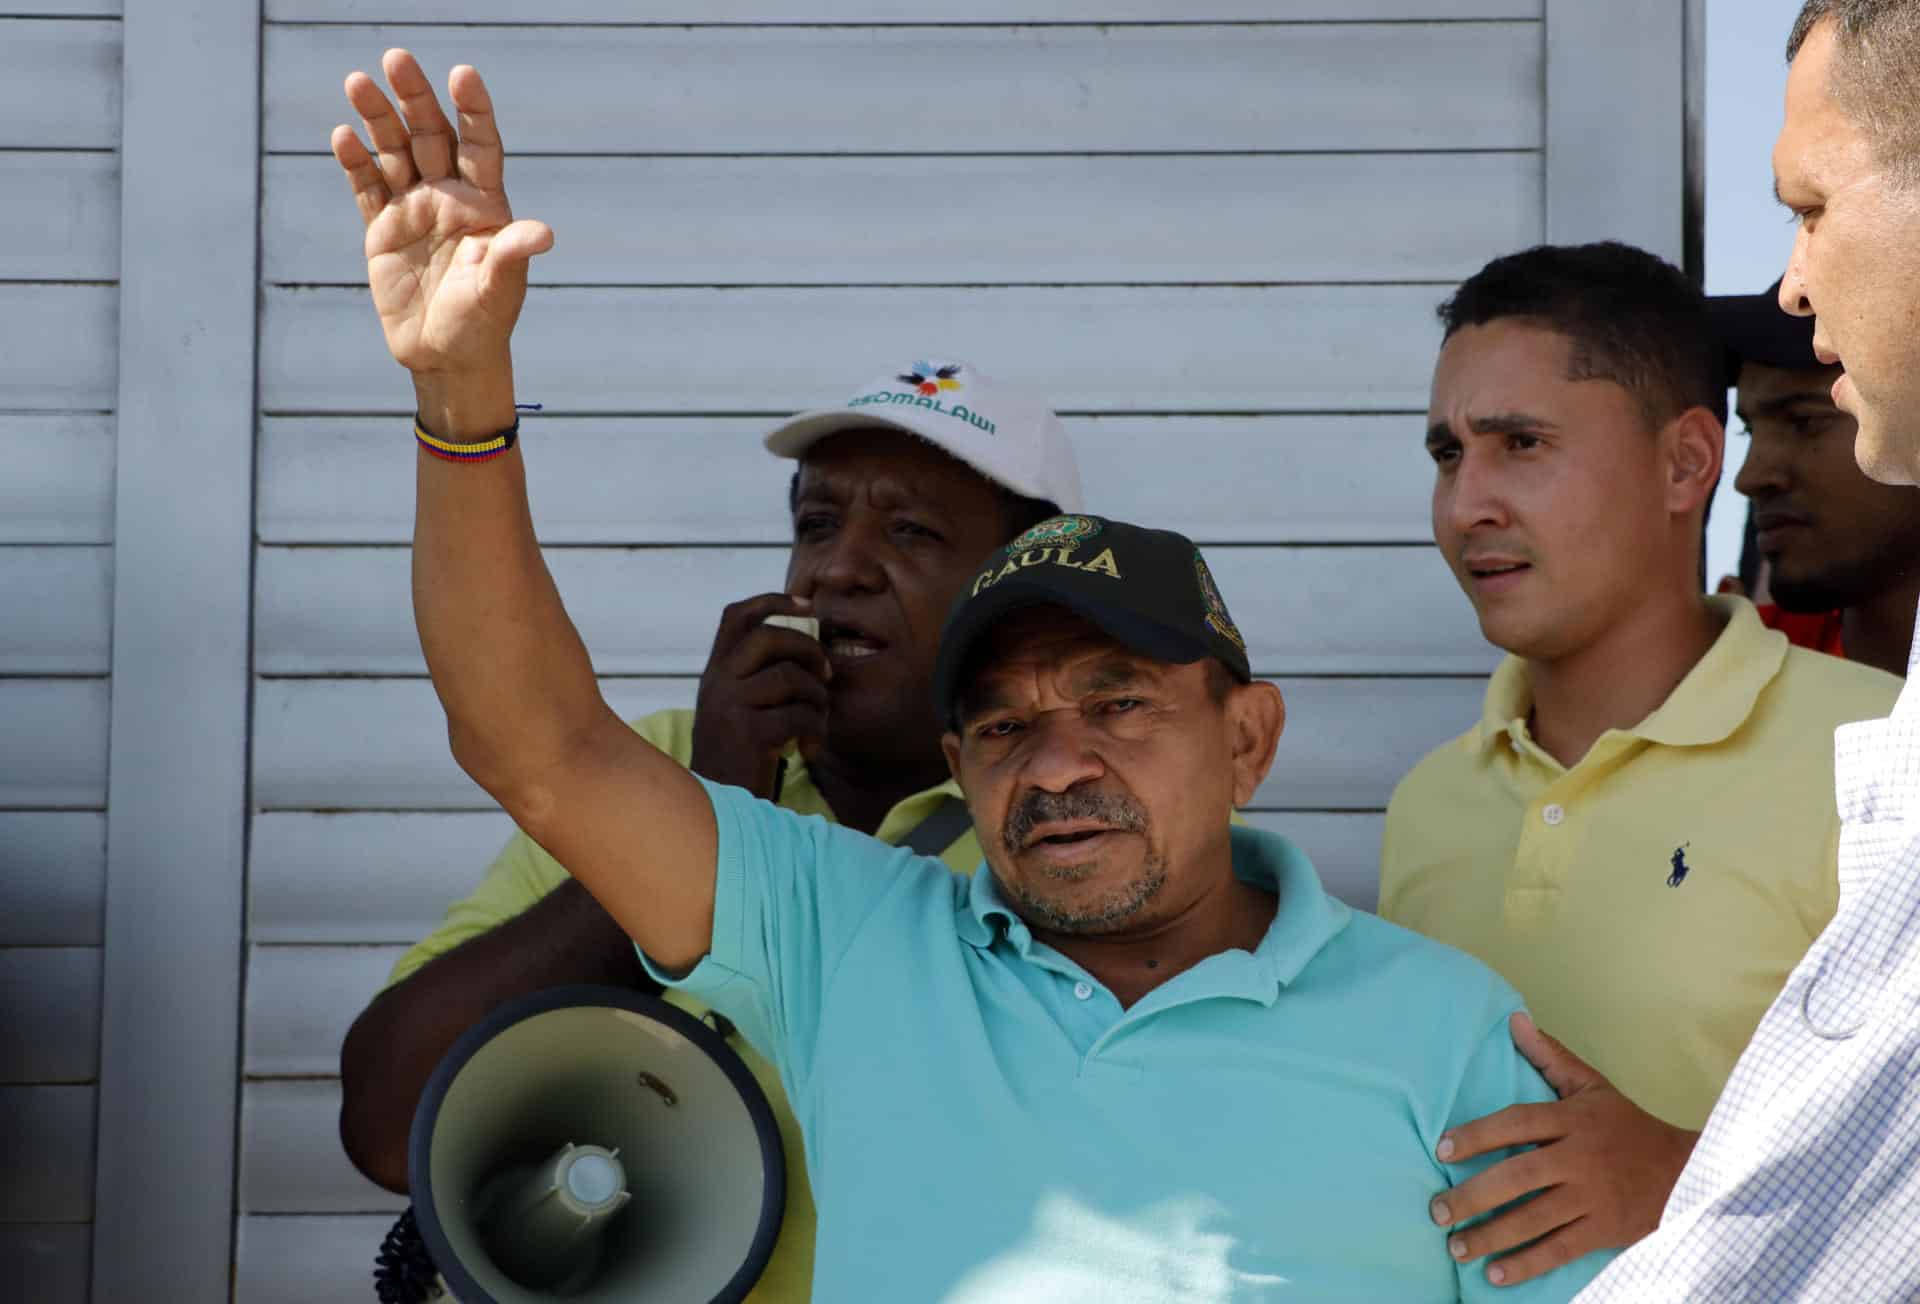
[[1011, 438]]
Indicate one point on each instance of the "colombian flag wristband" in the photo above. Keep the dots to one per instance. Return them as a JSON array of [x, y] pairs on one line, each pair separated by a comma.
[[481, 451]]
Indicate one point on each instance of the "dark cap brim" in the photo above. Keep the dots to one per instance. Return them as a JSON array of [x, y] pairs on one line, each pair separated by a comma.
[[960, 642], [1752, 328]]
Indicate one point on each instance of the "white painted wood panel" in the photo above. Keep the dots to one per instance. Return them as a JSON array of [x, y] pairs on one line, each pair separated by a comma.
[[64, 8], [884, 11], [302, 999], [997, 220], [48, 1263], [59, 84], [59, 482], [290, 1155], [176, 881], [49, 1014], [53, 868], [693, 90], [53, 750], [316, 1260], [61, 213], [370, 878], [59, 606], [1278, 479], [653, 611], [388, 878], [46, 1134], [61, 345], [1344, 848], [380, 744], [1091, 348]]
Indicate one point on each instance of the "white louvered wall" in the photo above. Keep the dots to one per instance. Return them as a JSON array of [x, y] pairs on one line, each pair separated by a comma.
[[59, 267], [1213, 233]]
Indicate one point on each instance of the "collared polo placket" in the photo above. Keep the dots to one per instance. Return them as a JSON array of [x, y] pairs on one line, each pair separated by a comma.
[[1556, 821]]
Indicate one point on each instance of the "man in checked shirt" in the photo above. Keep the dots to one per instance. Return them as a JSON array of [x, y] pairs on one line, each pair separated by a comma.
[[1806, 1183]]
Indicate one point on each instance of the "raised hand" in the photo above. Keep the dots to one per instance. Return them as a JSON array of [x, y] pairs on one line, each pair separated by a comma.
[[445, 259]]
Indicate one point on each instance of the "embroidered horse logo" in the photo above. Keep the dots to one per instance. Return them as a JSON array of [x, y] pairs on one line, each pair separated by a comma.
[[1680, 866]]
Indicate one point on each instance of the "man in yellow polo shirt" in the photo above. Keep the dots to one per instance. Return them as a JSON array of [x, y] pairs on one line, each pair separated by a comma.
[[898, 496], [1640, 833]]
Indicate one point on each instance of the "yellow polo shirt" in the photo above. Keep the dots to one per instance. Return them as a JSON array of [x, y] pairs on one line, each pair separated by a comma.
[[522, 874], [1649, 902]]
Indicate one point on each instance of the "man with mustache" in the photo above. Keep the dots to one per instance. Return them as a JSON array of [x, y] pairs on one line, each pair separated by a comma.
[[1843, 551], [897, 496], [1805, 1182], [1637, 833], [1140, 1054]]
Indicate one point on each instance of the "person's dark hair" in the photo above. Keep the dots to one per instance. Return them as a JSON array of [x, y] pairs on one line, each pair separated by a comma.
[[1876, 72], [1633, 318]]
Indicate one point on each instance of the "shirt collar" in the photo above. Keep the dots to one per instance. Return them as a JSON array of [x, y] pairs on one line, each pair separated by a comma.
[[1306, 920], [1706, 707]]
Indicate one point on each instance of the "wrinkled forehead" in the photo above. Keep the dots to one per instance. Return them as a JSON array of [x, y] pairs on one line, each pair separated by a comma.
[[888, 464], [1055, 647]]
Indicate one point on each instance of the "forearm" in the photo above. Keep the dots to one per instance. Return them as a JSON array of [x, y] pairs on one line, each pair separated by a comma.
[[510, 669], [394, 1045]]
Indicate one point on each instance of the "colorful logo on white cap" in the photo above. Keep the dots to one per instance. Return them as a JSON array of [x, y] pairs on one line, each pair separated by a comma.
[[931, 381], [1217, 617]]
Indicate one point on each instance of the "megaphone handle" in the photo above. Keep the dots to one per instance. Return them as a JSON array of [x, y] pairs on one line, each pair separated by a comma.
[[403, 1271]]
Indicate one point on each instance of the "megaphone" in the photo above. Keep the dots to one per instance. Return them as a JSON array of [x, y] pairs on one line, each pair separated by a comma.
[[595, 1144]]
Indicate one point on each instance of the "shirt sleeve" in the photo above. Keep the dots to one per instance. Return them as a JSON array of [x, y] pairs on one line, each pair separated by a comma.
[[523, 873], [790, 894], [1496, 1076]]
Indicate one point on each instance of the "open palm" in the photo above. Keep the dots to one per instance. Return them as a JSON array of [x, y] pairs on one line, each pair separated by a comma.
[[445, 259]]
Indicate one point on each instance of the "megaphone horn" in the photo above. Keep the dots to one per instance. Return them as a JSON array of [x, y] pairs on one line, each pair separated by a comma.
[[595, 1144]]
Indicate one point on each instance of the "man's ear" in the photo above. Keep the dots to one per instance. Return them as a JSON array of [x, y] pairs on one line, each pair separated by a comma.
[[1256, 715], [950, 748], [1696, 444]]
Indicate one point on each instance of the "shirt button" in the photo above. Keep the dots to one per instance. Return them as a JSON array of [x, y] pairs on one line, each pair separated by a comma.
[[1553, 814], [1082, 991]]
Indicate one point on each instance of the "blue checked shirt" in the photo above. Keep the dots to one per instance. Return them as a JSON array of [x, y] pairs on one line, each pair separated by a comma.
[[1806, 1182]]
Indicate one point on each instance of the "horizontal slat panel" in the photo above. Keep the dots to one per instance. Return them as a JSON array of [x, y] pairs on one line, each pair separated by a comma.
[[389, 878], [1344, 848], [863, 90], [49, 1014], [290, 1157], [885, 11], [59, 482], [59, 85], [53, 871], [53, 751], [321, 1260], [60, 352], [625, 480], [654, 611], [365, 877], [302, 999], [1091, 348], [62, 216], [59, 609], [48, 1263], [1235, 219], [372, 744], [46, 1134]]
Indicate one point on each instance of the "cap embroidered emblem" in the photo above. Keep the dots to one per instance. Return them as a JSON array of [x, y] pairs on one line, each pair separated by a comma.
[[1055, 530], [930, 380], [1217, 616]]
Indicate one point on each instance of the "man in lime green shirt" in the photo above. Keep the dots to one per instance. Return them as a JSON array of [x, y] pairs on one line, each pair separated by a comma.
[[1639, 834], [898, 495]]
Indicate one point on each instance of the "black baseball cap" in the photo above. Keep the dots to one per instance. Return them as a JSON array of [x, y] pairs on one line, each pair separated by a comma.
[[1752, 328], [1149, 589]]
